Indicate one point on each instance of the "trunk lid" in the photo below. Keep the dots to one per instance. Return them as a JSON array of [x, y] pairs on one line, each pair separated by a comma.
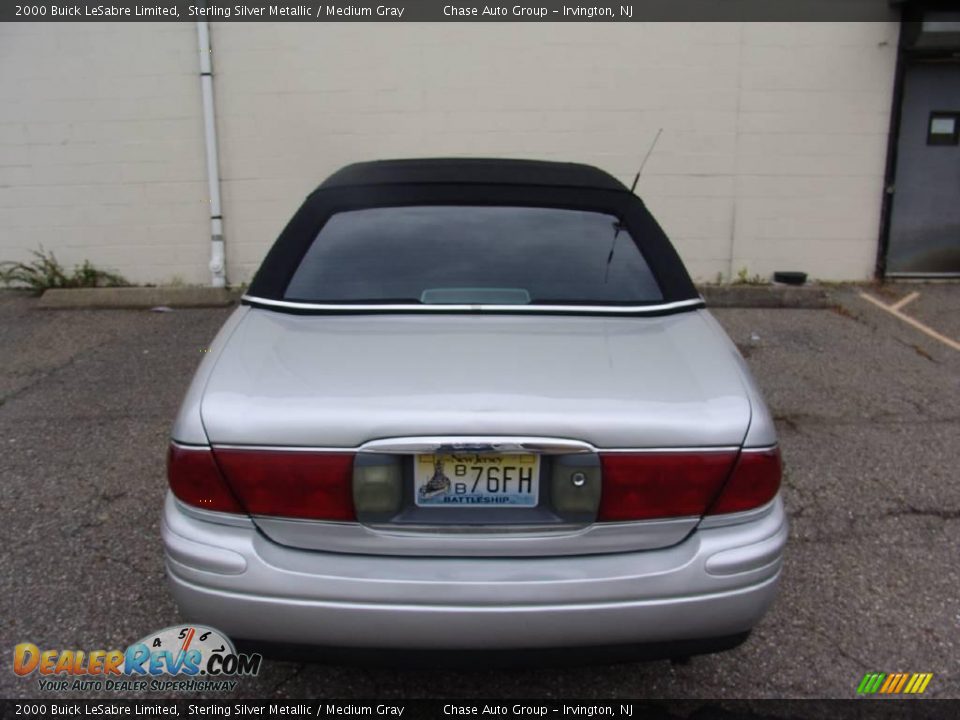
[[339, 382]]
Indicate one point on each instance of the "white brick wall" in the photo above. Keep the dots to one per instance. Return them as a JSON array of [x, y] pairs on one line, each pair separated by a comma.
[[771, 156], [101, 148]]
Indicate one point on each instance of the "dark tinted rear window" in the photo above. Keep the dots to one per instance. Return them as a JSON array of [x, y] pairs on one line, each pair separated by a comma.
[[498, 255]]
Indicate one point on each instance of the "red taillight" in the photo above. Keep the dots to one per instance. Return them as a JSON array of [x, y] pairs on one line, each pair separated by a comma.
[[754, 482], [195, 479], [294, 484], [644, 486]]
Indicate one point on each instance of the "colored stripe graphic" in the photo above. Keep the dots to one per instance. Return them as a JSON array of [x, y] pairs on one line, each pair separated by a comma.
[[871, 683], [894, 683], [918, 683]]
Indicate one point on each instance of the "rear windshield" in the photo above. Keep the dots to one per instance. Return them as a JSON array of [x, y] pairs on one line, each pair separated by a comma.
[[466, 254]]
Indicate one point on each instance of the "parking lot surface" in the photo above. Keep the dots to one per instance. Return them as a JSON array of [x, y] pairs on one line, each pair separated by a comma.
[[868, 410]]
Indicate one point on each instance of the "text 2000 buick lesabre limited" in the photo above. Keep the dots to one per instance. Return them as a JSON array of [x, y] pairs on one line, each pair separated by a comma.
[[474, 404]]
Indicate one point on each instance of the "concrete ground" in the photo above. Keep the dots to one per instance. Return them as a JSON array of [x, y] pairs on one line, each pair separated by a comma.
[[869, 414]]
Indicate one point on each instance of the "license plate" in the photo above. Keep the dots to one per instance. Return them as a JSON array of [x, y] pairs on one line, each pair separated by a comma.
[[476, 480]]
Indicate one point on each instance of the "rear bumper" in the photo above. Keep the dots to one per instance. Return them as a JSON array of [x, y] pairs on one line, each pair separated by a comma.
[[715, 584], [486, 659]]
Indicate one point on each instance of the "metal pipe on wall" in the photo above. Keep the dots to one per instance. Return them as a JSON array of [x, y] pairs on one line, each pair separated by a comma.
[[218, 274]]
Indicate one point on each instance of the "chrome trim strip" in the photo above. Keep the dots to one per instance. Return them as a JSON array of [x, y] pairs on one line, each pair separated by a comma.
[[429, 444], [496, 532], [477, 307], [185, 446], [459, 541], [525, 531], [738, 518], [765, 448], [477, 443], [284, 448], [664, 450], [221, 518]]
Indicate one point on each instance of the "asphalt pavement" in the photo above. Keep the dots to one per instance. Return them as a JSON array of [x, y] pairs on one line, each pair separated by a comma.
[[868, 410]]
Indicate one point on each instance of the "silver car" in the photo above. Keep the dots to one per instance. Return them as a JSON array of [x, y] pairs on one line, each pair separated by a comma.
[[474, 405]]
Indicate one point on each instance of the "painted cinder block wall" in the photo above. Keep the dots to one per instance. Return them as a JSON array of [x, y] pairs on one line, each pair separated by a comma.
[[101, 147], [772, 153]]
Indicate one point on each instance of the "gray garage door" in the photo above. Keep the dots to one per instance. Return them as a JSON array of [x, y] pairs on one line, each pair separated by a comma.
[[925, 216]]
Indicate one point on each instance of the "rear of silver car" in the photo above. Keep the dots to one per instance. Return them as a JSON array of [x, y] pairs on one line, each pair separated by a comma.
[[459, 474], [629, 543]]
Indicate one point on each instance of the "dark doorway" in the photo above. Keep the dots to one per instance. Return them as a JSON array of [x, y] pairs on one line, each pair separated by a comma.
[[924, 235]]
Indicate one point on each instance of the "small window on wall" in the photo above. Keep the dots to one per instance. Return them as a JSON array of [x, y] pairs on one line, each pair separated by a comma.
[[944, 128], [941, 22]]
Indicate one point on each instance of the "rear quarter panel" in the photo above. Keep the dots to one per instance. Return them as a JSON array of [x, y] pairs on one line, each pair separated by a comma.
[[188, 425]]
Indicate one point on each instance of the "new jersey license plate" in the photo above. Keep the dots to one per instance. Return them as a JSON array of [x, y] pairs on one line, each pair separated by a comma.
[[476, 480]]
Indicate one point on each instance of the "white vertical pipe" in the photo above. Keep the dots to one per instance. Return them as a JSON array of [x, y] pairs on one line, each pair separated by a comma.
[[218, 275]]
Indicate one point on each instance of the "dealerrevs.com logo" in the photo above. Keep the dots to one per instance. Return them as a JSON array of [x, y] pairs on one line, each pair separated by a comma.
[[180, 658]]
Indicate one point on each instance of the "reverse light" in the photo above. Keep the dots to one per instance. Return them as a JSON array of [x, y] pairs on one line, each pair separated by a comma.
[[576, 485], [306, 484], [377, 486], [195, 479]]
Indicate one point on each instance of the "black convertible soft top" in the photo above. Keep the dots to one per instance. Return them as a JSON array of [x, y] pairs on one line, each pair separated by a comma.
[[473, 171], [469, 181]]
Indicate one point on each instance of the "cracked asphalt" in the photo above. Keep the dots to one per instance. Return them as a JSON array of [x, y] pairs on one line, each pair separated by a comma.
[[868, 411]]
